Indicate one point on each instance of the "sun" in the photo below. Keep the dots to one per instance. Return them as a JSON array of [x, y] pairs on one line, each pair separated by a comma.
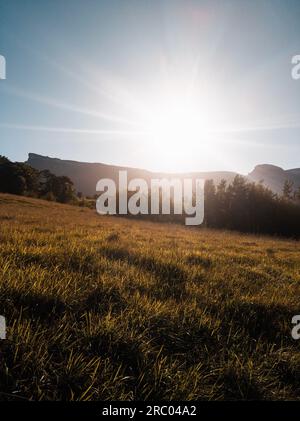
[[176, 114], [178, 127]]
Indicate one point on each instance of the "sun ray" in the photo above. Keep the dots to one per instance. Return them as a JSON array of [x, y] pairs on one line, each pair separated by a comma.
[[72, 130], [65, 106]]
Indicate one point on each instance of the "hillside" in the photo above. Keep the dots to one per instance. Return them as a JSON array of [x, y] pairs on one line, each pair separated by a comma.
[[85, 174], [111, 308], [274, 177]]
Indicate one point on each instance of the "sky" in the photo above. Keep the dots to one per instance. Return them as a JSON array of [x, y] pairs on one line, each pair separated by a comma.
[[171, 85]]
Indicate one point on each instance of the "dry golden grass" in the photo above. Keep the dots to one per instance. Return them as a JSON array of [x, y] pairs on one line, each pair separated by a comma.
[[112, 308]]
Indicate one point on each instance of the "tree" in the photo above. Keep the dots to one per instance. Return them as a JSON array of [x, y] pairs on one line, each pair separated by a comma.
[[59, 187], [31, 177], [222, 203], [210, 203], [11, 177], [287, 189], [237, 202], [63, 189]]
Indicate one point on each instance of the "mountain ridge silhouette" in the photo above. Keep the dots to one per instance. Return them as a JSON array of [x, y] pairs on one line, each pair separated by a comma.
[[86, 174]]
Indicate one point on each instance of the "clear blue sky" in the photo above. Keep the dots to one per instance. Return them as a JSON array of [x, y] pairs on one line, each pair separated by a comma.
[[83, 74]]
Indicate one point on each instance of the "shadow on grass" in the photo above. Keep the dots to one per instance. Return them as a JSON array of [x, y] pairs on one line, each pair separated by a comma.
[[103, 299], [238, 384], [120, 350], [170, 278], [265, 321], [198, 260], [191, 341], [33, 306]]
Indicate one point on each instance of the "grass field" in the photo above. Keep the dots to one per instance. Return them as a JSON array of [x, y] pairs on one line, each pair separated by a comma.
[[112, 308]]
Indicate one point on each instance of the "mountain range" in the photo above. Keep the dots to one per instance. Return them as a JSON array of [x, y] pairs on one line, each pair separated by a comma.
[[85, 174]]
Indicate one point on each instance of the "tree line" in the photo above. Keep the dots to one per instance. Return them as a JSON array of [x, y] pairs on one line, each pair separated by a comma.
[[244, 206], [253, 208], [241, 205], [21, 179]]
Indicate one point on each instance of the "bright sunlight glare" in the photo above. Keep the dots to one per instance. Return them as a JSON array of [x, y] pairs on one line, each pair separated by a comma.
[[180, 126]]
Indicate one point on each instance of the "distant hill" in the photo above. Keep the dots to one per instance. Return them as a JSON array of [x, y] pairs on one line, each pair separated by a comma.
[[274, 177], [86, 174]]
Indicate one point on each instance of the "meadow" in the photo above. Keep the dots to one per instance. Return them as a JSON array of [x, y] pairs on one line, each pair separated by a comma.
[[112, 308]]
